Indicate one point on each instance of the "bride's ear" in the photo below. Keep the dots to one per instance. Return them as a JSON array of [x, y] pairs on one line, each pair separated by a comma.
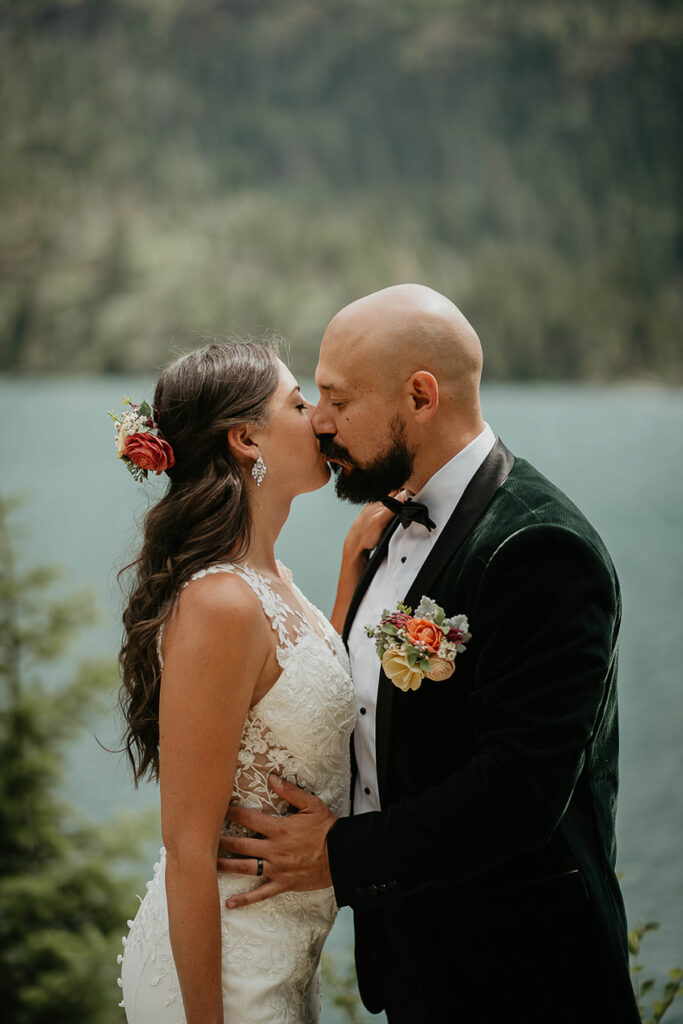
[[242, 445]]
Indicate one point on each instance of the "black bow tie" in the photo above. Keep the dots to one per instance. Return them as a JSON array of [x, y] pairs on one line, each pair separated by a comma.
[[410, 512]]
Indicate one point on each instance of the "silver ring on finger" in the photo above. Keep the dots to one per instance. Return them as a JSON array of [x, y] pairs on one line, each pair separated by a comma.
[[259, 866]]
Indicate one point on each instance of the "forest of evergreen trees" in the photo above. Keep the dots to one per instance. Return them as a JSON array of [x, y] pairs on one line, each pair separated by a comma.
[[175, 167]]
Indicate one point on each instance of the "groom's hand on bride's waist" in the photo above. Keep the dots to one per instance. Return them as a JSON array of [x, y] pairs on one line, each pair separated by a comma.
[[291, 856]]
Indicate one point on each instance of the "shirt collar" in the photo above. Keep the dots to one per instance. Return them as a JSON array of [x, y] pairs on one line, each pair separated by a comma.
[[445, 488]]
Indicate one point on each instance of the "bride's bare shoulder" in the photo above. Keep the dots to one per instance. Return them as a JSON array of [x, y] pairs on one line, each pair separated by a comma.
[[217, 607]]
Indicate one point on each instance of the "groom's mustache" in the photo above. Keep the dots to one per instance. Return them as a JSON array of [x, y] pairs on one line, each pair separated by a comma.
[[333, 451]]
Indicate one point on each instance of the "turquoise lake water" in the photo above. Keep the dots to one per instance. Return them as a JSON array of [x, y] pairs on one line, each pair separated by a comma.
[[617, 452]]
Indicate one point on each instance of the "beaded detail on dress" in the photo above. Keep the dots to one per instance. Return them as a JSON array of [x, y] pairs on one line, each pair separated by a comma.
[[300, 729]]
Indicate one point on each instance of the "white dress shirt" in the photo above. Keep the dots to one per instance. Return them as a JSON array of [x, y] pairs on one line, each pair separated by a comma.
[[406, 553]]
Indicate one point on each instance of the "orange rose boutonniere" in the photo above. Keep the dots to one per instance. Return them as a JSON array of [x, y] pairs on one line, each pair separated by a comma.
[[424, 645], [423, 631]]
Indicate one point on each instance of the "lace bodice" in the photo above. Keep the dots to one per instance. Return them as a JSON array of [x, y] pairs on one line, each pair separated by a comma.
[[300, 729]]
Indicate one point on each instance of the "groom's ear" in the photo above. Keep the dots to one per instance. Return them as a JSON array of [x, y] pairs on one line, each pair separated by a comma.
[[424, 395]]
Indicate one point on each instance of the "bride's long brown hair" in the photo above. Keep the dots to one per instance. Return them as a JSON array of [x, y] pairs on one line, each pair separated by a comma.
[[202, 518]]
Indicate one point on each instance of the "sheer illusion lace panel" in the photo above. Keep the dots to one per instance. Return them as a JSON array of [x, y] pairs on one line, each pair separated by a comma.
[[260, 752]]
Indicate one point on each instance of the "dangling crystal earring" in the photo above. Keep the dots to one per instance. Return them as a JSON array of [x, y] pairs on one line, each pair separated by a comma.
[[258, 471]]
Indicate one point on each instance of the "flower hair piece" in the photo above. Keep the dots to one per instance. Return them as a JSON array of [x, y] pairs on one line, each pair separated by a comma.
[[138, 443]]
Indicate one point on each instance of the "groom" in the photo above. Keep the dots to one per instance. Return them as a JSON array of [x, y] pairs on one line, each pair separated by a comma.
[[479, 859]]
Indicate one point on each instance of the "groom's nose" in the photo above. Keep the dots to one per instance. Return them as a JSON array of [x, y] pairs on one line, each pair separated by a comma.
[[321, 421]]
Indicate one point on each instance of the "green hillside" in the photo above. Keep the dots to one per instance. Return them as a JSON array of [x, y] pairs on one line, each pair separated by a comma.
[[175, 167]]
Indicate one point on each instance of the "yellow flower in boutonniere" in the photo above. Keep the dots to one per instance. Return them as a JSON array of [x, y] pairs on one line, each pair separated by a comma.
[[396, 668], [440, 668]]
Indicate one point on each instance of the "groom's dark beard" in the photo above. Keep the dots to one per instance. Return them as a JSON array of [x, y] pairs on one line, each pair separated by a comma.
[[373, 481]]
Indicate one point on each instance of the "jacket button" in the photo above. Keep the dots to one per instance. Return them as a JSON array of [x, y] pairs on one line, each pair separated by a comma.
[[360, 892], [372, 890], [382, 887]]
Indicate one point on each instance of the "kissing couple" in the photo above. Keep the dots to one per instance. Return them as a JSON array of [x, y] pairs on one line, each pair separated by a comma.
[[452, 777]]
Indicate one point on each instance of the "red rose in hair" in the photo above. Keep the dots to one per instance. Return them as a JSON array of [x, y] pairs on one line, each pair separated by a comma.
[[149, 452]]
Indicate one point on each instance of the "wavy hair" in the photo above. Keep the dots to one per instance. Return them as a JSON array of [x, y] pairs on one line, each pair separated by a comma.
[[202, 518]]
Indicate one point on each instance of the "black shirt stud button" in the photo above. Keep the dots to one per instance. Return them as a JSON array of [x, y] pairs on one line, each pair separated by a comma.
[[362, 710], [367, 791], [403, 558]]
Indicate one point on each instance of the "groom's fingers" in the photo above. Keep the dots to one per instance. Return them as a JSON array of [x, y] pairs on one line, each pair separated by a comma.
[[244, 846], [263, 892], [298, 798], [257, 821], [237, 865]]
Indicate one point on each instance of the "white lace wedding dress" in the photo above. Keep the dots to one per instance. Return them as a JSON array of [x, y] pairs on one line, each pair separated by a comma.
[[299, 729]]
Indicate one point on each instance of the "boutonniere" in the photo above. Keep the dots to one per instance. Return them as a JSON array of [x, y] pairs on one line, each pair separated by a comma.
[[414, 645]]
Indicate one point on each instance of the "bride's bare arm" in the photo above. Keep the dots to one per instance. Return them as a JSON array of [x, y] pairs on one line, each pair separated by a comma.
[[215, 649], [364, 534]]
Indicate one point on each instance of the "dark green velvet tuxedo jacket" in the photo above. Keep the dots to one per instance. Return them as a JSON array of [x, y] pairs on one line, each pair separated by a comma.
[[487, 879]]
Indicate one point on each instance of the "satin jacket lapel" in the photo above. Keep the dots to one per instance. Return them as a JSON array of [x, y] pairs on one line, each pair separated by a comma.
[[371, 568], [469, 510]]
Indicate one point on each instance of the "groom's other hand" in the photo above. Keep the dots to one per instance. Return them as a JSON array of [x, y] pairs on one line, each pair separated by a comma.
[[364, 534], [292, 850], [367, 528]]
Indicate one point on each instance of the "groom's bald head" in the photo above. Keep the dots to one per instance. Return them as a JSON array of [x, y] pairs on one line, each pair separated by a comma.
[[400, 330], [401, 359]]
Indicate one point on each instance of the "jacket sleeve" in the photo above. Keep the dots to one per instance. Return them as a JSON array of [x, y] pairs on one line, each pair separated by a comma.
[[545, 619]]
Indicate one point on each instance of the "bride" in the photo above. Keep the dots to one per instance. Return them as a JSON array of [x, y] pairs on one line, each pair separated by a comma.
[[229, 673]]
